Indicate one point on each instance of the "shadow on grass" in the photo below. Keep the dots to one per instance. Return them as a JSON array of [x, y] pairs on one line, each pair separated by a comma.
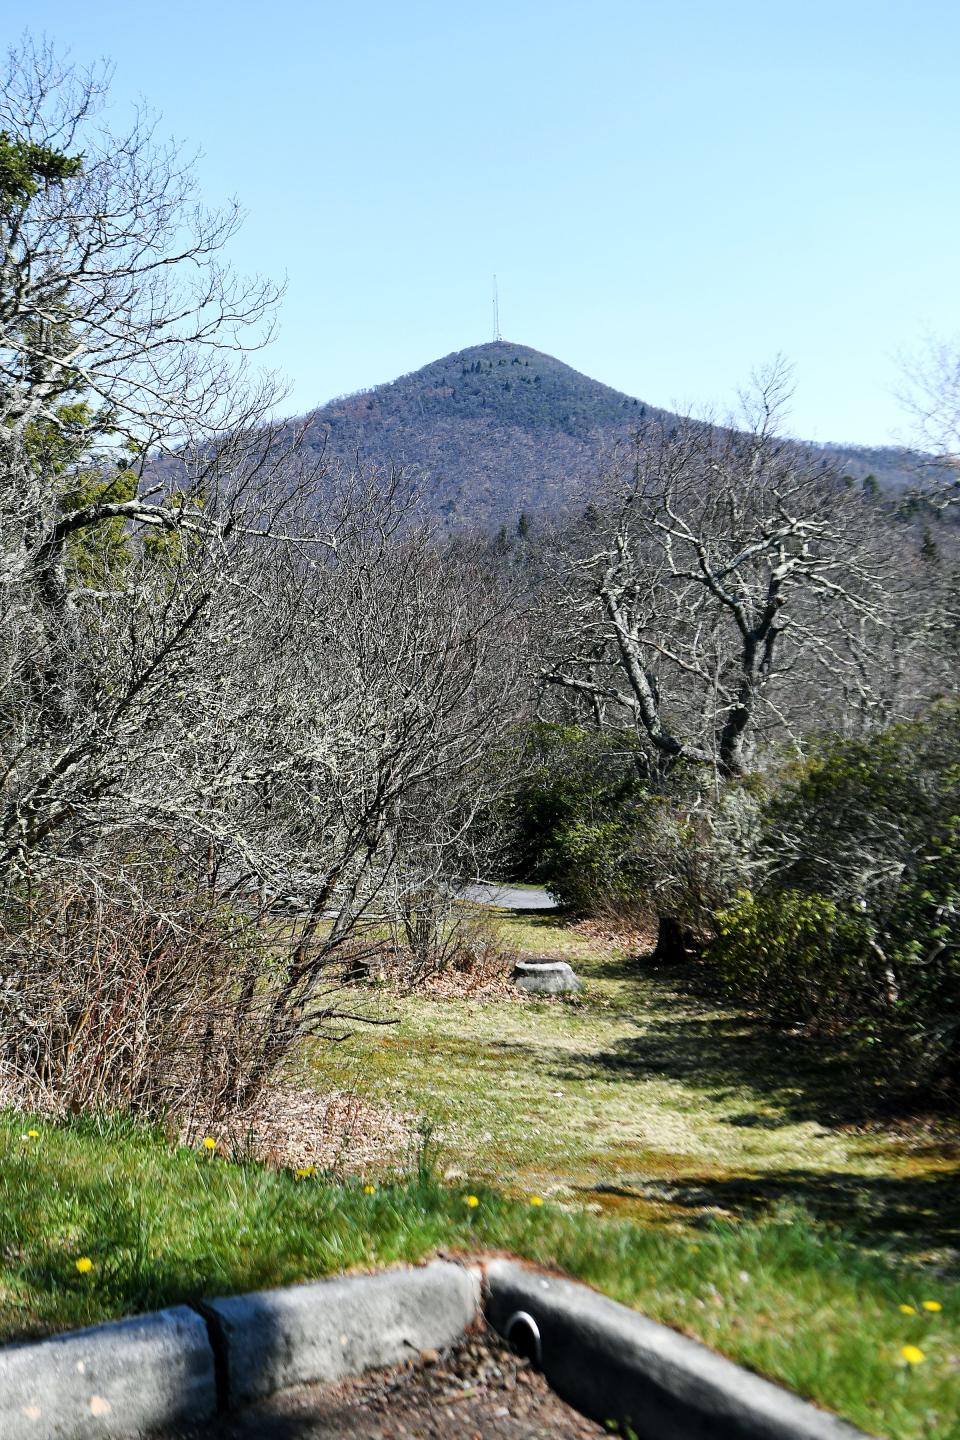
[[793, 1078], [546, 920], [800, 1078], [910, 1217], [620, 967], [689, 1034], [767, 1079]]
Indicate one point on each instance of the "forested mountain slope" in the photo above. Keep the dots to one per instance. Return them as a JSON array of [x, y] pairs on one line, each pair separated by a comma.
[[500, 429]]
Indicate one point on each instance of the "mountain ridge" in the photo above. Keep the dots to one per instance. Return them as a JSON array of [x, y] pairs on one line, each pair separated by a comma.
[[499, 429]]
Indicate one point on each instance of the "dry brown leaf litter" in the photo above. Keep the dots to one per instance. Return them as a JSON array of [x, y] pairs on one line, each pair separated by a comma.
[[335, 1131]]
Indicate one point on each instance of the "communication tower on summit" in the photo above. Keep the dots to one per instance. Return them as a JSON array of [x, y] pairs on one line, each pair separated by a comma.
[[496, 311]]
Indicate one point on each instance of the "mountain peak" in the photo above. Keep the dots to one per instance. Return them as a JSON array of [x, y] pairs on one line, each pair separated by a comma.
[[507, 354], [495, 430]]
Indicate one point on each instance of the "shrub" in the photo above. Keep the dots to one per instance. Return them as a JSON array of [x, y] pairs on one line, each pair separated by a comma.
[[150, 997], [590, 824], [564, 813], [794, 956], [856, 923], [436, 936]]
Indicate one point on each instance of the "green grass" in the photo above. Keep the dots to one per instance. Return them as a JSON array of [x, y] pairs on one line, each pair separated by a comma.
[[648, 1100], [721, 1177], [164, 1225]]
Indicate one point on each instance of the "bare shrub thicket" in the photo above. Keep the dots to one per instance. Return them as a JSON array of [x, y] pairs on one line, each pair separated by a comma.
[[123, 999], [447, 946], [283, 718], [227, 677]]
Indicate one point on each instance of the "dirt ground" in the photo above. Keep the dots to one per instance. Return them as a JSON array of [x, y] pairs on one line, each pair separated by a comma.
[[479, 1391]]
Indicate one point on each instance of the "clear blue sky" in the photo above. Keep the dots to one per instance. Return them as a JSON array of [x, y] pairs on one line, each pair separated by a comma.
[[670, 191]]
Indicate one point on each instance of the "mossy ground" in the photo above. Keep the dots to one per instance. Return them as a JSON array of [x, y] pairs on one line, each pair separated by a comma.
[[645, 1098]]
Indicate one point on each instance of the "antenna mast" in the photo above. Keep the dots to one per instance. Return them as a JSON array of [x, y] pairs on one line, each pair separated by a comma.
[[496, 311]]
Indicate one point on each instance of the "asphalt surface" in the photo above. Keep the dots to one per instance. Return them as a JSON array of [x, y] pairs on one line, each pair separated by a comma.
[[509, 897]]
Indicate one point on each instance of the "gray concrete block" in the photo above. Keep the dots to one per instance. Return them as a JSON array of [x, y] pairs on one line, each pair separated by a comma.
[[614, 1364], [546, 977], [277, 1338], [113, 1380]]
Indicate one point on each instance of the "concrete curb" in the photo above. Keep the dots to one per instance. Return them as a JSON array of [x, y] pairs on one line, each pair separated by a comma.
[[112, 1380], [276, 1339], [614, 1364], [183, 1365]]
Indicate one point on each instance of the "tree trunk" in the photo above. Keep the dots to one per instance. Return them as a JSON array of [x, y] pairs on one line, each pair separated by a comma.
[[675, 944]]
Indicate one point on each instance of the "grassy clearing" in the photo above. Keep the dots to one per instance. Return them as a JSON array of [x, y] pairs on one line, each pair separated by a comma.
[[648, 1101], [162, 1225]]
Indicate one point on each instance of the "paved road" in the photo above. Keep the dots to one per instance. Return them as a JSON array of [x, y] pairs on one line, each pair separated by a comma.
[[509, 897]]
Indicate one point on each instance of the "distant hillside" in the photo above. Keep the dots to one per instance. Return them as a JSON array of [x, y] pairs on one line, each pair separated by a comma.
[[501, 429]]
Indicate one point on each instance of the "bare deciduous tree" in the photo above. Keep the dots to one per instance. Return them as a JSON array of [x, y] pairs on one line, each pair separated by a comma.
[[729, 584], [114, 289], [931, 397], [731, 597]]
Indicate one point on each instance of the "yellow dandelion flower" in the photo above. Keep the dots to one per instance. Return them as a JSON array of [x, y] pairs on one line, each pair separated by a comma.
[[536, 1199], [472, 1201], [913, 1354], [933, 1305], [35, 1135], [369, 1189], [84, 1264], [305, 1172], [209, 1143], [907, 1310]]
